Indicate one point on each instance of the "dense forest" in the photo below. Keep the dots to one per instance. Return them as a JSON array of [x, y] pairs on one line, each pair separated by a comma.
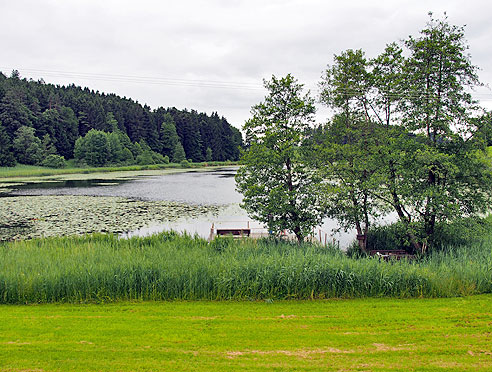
[[38, 119]]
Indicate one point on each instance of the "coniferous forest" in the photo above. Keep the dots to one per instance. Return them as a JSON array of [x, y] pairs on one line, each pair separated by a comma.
[[42, 122]]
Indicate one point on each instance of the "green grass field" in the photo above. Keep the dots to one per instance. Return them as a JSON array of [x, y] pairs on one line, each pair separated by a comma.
[[324, 335]]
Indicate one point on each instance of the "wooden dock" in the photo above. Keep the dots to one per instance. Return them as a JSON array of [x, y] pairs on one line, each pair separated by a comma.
[[238, 229], [254, 230]]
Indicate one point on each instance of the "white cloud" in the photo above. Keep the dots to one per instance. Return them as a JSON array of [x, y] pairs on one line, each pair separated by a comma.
[[221, 40]]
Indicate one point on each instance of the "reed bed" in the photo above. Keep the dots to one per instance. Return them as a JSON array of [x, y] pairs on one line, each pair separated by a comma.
[[169, 266], [39, 171]]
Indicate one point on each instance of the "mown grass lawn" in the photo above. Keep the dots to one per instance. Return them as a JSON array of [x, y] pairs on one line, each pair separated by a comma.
[[325, 335]]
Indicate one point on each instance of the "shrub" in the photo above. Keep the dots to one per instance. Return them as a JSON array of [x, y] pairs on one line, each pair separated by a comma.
[[145, 158], [54, 161], [185, 164], [388, 237], [464, 231]]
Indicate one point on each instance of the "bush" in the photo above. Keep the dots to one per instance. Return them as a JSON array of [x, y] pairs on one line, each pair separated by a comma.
[[447, 235], [464, 231], [185, 164], [145, 158], [388, 237], [54, 161]]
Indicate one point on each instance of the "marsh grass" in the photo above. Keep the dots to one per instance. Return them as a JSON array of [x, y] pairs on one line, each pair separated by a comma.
[[38, 171], [168, 266]]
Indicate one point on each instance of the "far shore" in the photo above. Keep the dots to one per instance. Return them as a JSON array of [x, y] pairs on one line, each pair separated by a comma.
[[25, 173]]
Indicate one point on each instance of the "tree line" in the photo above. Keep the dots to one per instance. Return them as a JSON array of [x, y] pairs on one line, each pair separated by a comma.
[[406, 137], [38, 120]]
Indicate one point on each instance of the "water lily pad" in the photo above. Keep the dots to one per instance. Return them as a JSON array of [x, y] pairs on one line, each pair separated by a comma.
[[25, 217]]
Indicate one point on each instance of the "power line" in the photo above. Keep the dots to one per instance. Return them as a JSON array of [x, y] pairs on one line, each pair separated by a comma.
[[202, 83], [145, 79], [395, 94]]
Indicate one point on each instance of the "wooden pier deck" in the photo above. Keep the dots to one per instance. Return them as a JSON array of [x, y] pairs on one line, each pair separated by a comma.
[[254, 230]]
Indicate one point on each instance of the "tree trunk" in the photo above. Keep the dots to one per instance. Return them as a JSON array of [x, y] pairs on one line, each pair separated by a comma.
[[399, 210], [361, 235], [299, 235]]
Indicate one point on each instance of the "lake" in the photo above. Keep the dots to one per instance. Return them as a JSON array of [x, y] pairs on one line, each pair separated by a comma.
[[200, 188]]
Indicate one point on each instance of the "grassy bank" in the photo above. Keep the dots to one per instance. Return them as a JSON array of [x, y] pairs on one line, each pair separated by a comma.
[[343, 335], [38, 171], [103, 268]]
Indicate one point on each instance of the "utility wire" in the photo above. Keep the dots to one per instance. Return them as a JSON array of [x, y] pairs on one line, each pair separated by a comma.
[[145, 79], [395, 94], [201, 83]]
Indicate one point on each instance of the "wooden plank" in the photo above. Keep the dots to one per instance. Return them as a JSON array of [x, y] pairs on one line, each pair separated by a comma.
[[234, 232]]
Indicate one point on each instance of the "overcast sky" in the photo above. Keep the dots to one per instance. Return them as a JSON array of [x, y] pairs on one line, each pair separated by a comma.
[[212, 55]]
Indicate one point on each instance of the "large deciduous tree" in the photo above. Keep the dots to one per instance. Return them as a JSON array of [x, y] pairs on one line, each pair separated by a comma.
[[427, 148], [28, 148], [278, 186], [347, 149], [446, 178]]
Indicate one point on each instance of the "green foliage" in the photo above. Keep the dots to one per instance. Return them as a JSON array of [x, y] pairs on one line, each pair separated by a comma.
[[185, 163], [137, 149], [179, 153], [168, 136], [14, 108], [54, 161], [7, 158], [278, 187], [48, 146], [145, 158], [98, 148], [158, 158], [28, 148], [144, 146], [208, 156], [67, 112], [111, 123], [116, 154], [448, 235], [423, 154], [93, 149]]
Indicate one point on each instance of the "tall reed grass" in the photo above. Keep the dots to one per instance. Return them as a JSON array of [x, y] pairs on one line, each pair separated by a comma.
[[100, 268]]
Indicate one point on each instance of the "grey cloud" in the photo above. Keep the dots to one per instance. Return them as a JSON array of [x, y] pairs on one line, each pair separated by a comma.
[[224, 40]]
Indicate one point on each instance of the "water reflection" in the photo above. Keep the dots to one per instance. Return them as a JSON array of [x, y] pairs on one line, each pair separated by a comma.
[[196, 187]]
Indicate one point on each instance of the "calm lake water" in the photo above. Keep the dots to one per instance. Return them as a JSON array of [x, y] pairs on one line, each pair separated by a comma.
[[215, 187]]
